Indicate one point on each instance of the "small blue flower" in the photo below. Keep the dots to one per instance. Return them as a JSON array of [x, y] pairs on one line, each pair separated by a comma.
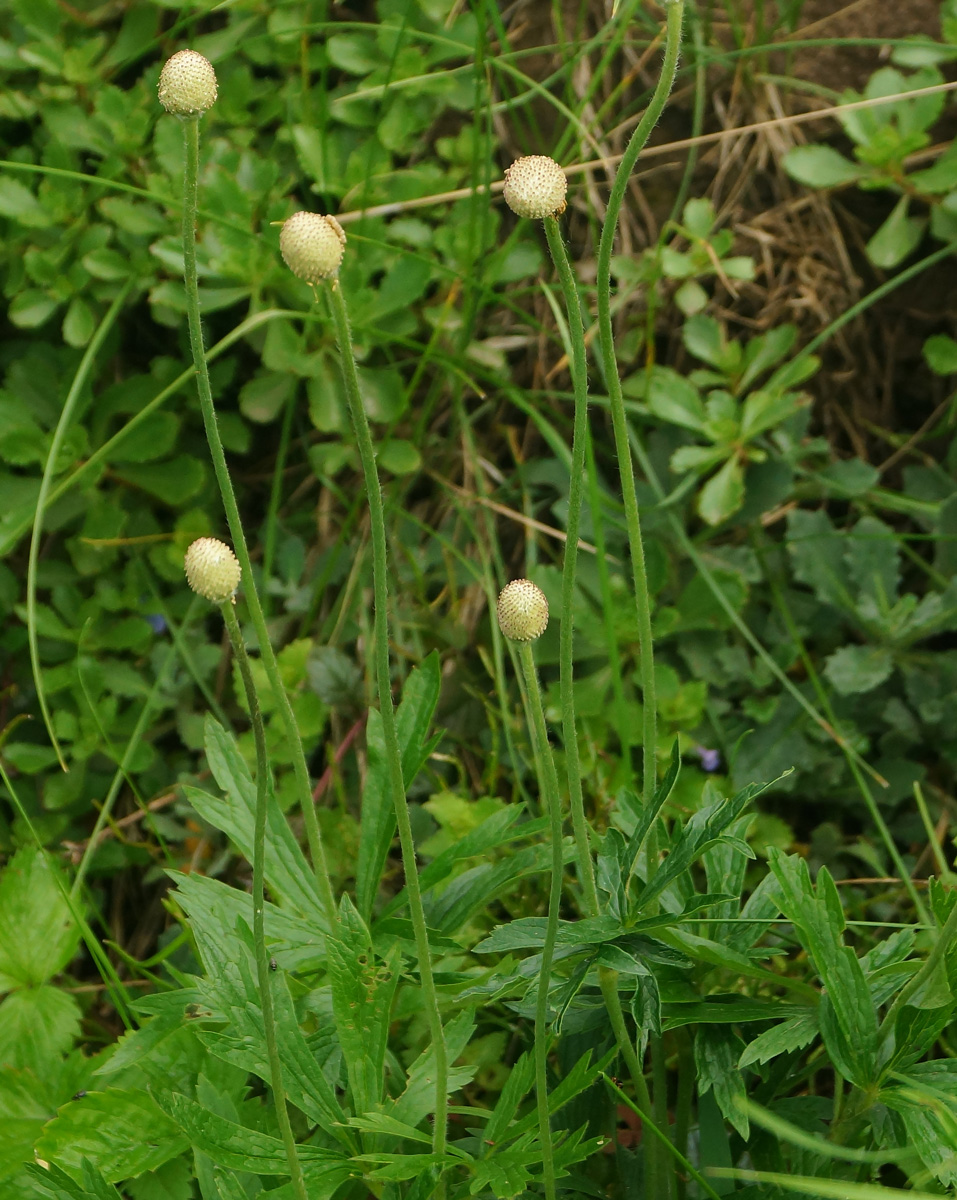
[[710, 759], [157, 621]]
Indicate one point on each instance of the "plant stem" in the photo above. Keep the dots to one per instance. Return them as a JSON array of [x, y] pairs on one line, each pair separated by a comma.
[[616, 400], [43, 497], [190, 193], [548, 783], [384, 683], [586, 870], [259, 901], [623, 452]]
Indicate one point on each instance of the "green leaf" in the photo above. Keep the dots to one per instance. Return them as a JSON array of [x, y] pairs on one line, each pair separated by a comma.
[[38, 1025], [793, 1034], [287, 871], [78, 323], [31, 308], [854, 670], [898, 237], [931, 1126], [38, 936], [399, 457], [19, 203], [817, 554], [671, 397], [847, 1016], [716, 1052], [940, 354], [704, 338], [519, 1083], [174, 482], [418, 1098], [249, 1150], [362, 994], [821, 166], [529, 933], [121, 1133], [723, 494], [420, 695]]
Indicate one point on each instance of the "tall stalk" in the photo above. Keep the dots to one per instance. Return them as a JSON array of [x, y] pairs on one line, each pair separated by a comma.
[[259, 901], [384, 682], [190, 125], [548, 782], [616, 399], [608, 979]]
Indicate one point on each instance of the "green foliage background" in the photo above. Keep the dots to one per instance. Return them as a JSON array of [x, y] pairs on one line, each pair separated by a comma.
[[762, 528]]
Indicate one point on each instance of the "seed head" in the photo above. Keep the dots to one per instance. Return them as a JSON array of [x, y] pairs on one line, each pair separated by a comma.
[[212, 569], [522, 611], [535, 187], [312, 246], [187, 84]]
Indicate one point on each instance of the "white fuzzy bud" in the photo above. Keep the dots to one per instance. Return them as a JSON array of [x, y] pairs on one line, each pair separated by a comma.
[[212, 570], [312, 246], [522, 611], [535, 187], [187, 84]]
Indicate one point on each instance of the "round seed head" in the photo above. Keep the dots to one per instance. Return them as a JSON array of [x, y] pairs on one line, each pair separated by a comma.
[[187, 84], [312, 246], [212, 570], [522, 611], [535, 187]]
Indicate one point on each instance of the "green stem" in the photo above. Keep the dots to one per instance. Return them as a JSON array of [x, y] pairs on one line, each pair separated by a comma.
[[629, 494], [616, 400], [548, 782], [566, 638], [586, 869], [190, 193], [43, 497], [945, 939], [259, 901], [384, 682]]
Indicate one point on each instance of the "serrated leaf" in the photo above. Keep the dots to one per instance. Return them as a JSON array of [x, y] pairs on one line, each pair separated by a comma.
[[854, 670], [38, 1025], [793, 1034], [420, 696], [287, 871], [716, 1054], [38, 935], [120, 1133]]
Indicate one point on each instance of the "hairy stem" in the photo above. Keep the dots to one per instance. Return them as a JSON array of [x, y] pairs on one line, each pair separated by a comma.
[[259, 900], [384, 683], [623, 452], [548, 783], [190, 193], [616, 400], [586, 870]]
